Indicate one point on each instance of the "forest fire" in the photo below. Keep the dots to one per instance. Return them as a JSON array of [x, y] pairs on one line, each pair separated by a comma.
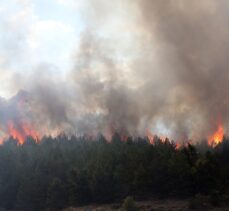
[[124, 138], [217, 137], [150, 136], [22, 131]]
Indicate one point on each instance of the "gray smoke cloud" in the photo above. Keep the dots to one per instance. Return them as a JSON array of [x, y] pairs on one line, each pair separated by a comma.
[[166, 71], [191, 38]]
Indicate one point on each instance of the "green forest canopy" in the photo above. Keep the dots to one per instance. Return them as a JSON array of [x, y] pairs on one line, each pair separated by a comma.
[[61, 172]]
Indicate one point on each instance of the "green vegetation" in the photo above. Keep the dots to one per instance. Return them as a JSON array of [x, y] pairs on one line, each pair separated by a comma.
[[62, 172]]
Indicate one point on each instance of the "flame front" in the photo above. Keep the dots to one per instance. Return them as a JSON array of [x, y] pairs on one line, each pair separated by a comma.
[[217, 137], [150, 136], [22, 131]]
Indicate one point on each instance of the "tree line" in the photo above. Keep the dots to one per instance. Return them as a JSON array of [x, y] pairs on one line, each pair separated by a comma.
[[73, 171]]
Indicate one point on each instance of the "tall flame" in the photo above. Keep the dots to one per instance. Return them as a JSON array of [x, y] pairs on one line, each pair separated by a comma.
[[150, 136], [22, 131], [217, 136]]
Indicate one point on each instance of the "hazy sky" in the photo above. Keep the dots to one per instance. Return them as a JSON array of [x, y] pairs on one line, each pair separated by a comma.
[[41, 32], [35, 32]]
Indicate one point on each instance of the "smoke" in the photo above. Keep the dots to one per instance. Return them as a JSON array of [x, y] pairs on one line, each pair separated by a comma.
[[157, 65], [191, 40]]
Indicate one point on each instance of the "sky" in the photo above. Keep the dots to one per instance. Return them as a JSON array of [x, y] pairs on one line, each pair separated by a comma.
[[35, 32]]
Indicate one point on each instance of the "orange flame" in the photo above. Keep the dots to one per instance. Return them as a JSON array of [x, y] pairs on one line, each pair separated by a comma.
[[178, 146], [124, 138], [2, 137], [163, 138], [20, 133], [150, 136], [216, 137]]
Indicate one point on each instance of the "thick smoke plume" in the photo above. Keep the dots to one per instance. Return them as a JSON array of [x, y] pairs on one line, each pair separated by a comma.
[[166, 71]]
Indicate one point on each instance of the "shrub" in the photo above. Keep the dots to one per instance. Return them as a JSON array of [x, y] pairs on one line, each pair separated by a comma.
[[214, 199], [129, 204], [198, 203]]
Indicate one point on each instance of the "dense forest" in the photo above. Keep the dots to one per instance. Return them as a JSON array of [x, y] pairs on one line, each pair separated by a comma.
[[72, 171]]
